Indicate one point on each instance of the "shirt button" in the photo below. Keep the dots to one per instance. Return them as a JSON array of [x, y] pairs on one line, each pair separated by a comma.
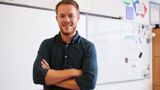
[[65, 56]]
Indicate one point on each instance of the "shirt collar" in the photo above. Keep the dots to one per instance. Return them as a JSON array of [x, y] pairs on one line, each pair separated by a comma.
[[75, 38]]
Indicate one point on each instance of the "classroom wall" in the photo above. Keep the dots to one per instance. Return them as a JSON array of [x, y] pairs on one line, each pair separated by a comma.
[[89, 6]]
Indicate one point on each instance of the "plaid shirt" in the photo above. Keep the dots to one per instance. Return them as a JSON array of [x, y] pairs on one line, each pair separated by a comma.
[[79, 54]]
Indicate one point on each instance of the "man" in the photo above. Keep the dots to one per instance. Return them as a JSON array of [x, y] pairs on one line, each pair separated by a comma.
[[66, 61]]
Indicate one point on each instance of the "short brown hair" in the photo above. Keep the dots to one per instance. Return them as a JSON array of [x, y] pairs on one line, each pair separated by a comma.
[[71, 2]]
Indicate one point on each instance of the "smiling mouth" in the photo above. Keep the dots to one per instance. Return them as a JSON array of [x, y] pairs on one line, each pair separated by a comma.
[[69, 28]]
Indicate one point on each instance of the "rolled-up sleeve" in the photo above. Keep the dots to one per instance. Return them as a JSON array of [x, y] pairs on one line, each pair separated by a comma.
[[38, 72], [89, 77]]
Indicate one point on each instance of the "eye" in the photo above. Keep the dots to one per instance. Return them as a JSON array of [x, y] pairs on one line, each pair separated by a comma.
[[61, 16], [71, 15]]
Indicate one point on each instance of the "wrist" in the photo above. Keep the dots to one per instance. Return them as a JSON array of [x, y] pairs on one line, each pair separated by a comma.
[[75, 72]]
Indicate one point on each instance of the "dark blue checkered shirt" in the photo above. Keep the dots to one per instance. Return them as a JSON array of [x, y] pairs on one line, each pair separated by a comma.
[[79, 54]]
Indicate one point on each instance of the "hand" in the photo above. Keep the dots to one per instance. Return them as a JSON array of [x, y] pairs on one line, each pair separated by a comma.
[[45, 64], [77, 72], [76, 89]]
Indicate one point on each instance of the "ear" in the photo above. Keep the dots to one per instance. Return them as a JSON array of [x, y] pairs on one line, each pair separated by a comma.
[[78, 16], [56, 18]]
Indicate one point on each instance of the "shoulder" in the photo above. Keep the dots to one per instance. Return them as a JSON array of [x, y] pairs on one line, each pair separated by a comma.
[[46, 44], [88, 47], [86, 43], [49, 41]]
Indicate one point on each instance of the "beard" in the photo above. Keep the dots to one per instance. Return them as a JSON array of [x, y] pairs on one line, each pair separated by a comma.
[[68, 31]]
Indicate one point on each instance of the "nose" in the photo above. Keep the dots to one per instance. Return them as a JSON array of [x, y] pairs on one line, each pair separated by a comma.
[[66, 19]]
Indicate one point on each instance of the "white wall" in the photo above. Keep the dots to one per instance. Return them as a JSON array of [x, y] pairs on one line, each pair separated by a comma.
[[145, 84], [21, 32]]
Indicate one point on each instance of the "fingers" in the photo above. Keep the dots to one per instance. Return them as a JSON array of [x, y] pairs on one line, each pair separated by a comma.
[[44, 67], [79, 72], [45, 64]]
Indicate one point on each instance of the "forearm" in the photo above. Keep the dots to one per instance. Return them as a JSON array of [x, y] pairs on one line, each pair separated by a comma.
[[55, 76], [69, 84]]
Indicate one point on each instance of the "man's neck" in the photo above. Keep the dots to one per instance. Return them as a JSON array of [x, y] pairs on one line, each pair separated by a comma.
[[67, 38]]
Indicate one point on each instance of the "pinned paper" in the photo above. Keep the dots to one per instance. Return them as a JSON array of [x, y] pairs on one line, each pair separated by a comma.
[[129, 13]]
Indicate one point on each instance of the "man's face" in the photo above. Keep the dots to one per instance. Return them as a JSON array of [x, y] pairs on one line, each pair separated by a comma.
[[67, 18]]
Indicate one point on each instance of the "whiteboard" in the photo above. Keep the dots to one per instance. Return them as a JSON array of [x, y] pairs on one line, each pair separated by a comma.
[[21, 32], [121, 49]]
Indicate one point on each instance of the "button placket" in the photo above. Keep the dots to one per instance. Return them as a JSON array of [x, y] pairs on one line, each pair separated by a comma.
[[65, 56]]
